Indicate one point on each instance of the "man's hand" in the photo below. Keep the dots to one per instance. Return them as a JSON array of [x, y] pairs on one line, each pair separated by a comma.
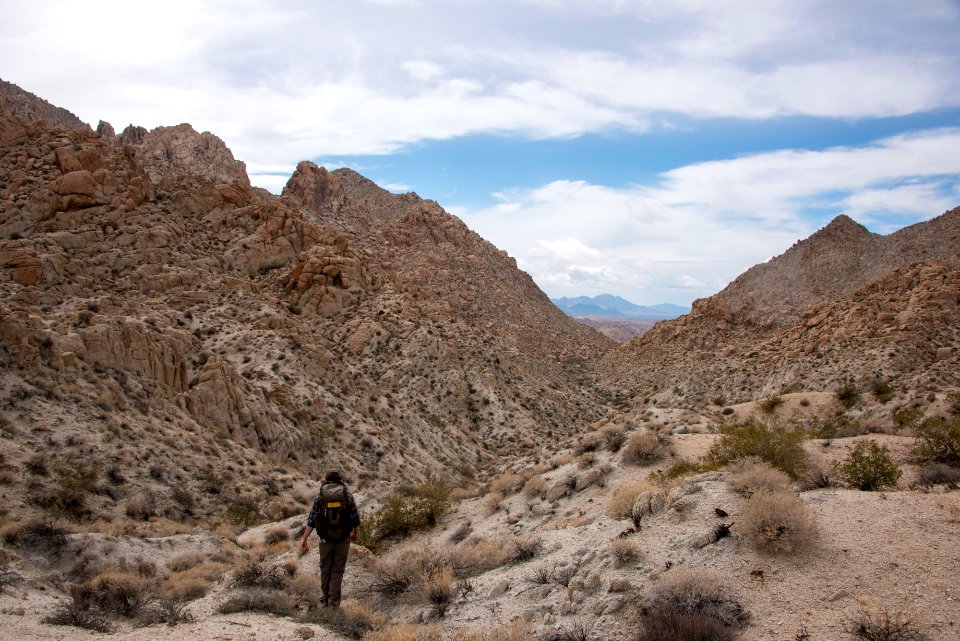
[[355, 535], [303, 546]]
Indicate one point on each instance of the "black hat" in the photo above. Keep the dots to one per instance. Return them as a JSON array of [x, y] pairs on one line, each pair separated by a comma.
[[333, 477]]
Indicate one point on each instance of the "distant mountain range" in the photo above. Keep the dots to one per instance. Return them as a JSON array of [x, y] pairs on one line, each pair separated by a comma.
[[611, 306]]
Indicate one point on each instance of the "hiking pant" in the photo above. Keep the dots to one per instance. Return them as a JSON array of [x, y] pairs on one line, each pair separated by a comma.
[[333, 561]]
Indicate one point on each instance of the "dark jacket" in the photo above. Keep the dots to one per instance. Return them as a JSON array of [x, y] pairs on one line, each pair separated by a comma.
[[353, 514]]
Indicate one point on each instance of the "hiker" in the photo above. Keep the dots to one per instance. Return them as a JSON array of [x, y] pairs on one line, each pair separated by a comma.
[[335, 518]]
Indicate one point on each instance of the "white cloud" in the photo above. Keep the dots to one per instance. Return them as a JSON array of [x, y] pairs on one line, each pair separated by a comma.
[[704, 224], [301, 79]]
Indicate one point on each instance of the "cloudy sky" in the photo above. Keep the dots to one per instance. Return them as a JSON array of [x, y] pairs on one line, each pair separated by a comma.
[[643, 148]]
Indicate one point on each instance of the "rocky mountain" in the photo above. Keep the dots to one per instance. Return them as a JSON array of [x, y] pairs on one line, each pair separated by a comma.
[[31, 109], [162, 319], [842, 304]]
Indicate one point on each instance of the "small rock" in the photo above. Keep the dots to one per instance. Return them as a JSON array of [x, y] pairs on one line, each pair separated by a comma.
[[836, 596], [498, 589]]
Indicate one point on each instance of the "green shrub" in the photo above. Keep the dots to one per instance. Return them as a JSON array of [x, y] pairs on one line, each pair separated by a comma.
[[881, 390], [938, 440], [75, 481], [953, 400], [677, 470], [244, 512], [868, 467], [848, 394], [906, 416], [408, 509], [777, 444]]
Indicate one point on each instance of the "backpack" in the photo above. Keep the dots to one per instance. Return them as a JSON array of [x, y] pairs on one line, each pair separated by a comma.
[[333, 517]]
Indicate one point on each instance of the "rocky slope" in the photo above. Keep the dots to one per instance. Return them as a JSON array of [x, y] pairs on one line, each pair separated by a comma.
[[150, 299], [30, 108], [843, 304]]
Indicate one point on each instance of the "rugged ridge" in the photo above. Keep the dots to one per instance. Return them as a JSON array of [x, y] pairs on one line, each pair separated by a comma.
[[754, 338], [149, 294]]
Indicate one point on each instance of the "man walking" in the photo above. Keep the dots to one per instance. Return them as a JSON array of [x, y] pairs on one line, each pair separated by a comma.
[[335, 518]]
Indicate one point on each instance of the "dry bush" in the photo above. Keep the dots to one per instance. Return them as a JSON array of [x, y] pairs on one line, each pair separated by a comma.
[[354, 619], [578, 630], [750, 475], [616, 436], [689, 606], [506, 484], [770, 404], [166, 610], [307, 590], [276, 535], [777, 523], [43, 537], [437, 587], [624, 551], [406, 632], [69, 613], [477, 556], [635, 501], [591, 442], [182, 587], [259, 600], [642, 448], [185, 561], [535, 488], [115, 592], [517, 630], [938, 474], [492, 501], [586, 460], [883, 626], [259, 573], [526, 548], [391, 578]]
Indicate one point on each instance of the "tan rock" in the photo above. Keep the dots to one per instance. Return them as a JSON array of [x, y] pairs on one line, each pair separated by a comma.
[[76, 182], [67, 160]]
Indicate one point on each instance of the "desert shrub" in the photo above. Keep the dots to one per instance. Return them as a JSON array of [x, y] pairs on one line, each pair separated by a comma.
[[276, 535], [953, 401], [526, 548], [816, 477], [904, 417], [436, 586], [624, 551], [823, 428], [259, 600], [37, 465], [591, 442], [616, 436], [881, 389], [185, 561], [354, 619], [182, 496], [540, 575], [578, 630], [517, 630], [69, 613], [642, 448], [406, 510], [750, 475], [244, 512], [492, 501], [938, 440], [868, 467], [562, 575], [691, 607], [259, 573], [181, 587], [115, 592], [848, 394], [678, 470], [506, 484], [478, 556], [634, 502], [770, 404], [535, 487], [75, 482], [777, 444], [777, 523], [141, 509], [42, 537], [938, 474], [391, 578], [883, 626], [169, 611], [405, 632]]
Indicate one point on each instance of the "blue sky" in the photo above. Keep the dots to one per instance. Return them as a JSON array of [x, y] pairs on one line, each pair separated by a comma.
[[648, 149]]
